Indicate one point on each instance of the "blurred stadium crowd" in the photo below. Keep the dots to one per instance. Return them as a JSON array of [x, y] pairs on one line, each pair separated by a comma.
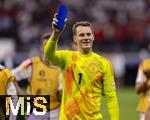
[[122, 29]]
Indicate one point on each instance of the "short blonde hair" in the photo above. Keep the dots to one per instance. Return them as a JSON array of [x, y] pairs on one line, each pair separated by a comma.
[[81, 23]]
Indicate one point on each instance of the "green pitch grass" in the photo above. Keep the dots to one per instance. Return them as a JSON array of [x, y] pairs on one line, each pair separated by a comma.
[[128, 101]]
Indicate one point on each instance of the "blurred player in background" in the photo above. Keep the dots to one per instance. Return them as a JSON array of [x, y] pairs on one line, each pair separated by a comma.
[[142, 87], [86, 75], [6, 88], [44, 79]]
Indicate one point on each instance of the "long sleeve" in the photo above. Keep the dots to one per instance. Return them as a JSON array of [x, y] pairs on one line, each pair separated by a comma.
[[109, 91], [49, 49], [57, 58]]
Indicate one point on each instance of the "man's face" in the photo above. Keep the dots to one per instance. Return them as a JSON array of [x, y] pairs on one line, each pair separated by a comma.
[[84, 37]]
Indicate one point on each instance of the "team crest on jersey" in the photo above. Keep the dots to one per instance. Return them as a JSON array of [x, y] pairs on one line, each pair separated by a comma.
[[74, 57], [42, 73], [93, 68]]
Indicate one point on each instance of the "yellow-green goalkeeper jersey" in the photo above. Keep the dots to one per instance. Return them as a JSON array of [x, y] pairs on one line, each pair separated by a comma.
[[85, 79]]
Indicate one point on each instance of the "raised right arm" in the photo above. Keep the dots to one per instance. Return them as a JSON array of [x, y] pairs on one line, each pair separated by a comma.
[[57, 58]]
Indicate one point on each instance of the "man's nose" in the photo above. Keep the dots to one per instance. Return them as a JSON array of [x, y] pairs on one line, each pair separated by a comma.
[[86, 39], [86, 36]]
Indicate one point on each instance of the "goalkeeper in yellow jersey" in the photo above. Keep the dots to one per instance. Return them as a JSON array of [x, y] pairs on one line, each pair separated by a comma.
[[86, 75]]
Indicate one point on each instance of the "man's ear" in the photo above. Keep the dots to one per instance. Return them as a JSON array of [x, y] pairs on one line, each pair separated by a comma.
[[74, 39]]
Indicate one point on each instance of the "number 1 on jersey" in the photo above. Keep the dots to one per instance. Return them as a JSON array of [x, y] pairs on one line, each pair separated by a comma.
[[80, 77]]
